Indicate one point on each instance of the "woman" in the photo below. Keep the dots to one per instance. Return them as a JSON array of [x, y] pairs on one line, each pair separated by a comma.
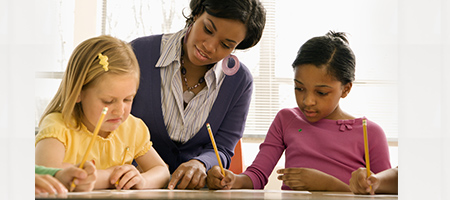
[[184, 85]]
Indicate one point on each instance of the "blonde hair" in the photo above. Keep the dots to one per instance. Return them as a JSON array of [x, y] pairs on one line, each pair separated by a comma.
[[84, 69]]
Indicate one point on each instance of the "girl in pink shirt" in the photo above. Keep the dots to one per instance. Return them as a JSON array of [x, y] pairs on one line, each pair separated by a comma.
[[322, 143]]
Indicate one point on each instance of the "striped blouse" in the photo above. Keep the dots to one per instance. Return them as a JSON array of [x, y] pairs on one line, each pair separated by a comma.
[[183, 123]]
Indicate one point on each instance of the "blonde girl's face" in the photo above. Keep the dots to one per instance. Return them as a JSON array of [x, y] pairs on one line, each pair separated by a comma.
[[318, 94], [211, 39], [113, 91]]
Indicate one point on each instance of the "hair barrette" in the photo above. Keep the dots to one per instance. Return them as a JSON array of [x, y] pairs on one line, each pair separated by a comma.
[[103, 61]]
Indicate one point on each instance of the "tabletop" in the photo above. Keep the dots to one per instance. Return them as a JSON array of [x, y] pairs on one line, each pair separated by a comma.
[[213, 194]]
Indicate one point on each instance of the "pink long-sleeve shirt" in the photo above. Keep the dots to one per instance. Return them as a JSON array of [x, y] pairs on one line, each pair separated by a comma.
[[335, 147]]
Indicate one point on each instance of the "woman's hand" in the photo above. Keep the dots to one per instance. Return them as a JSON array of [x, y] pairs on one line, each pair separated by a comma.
[[215, 179], [189, 175], [128, 177], [310, 179]]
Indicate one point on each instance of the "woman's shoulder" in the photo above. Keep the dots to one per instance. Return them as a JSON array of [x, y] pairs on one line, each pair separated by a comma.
[[148, 38]]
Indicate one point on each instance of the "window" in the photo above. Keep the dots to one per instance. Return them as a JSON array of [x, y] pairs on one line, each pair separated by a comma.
[[372, 36]]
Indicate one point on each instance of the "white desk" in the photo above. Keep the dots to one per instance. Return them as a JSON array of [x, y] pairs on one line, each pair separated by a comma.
[[214, 194]]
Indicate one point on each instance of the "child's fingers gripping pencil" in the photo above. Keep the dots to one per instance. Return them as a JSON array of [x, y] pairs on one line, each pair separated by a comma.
[[123, 160], [97, 128], [366, 148], [215, 148]]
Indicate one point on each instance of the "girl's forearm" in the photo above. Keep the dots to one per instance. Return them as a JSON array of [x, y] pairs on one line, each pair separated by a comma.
[[334, 184], [156, 177], [103, 179], [242, 181], [389, 181]]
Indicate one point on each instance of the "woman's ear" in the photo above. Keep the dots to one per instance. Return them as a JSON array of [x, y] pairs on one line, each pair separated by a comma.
[[347, 88]]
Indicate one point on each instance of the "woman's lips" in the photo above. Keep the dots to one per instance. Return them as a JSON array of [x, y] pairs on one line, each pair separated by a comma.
[[201, 55]]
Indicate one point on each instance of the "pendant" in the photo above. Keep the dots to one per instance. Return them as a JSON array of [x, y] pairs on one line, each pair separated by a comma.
[[187, 96]]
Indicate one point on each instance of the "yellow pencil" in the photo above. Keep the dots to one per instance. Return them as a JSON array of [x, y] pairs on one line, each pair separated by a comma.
[[97, 128], [215, 148], [123, 160], [366, 148]]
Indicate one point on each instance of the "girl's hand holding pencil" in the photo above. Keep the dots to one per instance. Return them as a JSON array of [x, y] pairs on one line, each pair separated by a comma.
[[126, 177], [97, 128], [217, 181], [84, 178]]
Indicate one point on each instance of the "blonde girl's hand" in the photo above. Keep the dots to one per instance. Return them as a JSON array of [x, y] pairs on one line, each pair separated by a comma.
[[48, 184], [360, 184], [128, 176], [84, 178], [215, 180]]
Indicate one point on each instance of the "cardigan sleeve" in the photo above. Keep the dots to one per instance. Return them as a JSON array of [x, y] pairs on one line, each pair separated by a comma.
[[231, 127]]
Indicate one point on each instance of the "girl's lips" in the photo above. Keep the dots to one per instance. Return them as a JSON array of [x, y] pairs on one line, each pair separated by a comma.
[[116, 120], [310, 113]]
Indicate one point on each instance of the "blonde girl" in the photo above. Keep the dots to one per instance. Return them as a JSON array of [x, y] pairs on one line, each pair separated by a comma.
[[102, 71]]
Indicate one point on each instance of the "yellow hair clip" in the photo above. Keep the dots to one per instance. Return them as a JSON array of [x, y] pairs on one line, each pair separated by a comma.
[[103, 61]]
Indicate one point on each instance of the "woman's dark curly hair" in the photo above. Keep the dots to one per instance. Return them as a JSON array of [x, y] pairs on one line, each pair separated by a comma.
[[249, 12]]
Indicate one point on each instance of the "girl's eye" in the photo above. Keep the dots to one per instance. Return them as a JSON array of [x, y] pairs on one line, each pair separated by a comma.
[[128, 100], [298, 89], [322, 93], [108, 102]]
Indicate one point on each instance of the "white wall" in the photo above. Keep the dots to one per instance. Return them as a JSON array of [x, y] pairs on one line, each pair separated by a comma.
[[20, 52], [424, 85], [424, 71]]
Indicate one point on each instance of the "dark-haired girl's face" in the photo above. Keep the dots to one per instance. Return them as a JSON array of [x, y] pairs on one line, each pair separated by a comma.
[[211, 39], [318, 93]]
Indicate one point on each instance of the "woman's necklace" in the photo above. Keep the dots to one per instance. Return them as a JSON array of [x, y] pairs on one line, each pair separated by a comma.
[[188, 94]]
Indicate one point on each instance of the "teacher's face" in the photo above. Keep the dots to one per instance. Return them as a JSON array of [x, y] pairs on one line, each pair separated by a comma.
[[211, 39]]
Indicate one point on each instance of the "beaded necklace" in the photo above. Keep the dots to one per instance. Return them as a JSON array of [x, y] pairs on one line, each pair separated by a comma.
[[188, 94]]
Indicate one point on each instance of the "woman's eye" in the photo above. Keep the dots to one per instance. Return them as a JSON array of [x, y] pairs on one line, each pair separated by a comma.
[[207, 30], [298, 89], [225, 46]]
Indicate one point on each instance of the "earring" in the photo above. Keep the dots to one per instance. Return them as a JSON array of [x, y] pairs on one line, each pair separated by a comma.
[[187, 33], [227, 70]]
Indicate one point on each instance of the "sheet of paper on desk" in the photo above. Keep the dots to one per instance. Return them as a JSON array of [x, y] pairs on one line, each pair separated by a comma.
[[102, 192], [264, 191], [360, 195], [112, 192]]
